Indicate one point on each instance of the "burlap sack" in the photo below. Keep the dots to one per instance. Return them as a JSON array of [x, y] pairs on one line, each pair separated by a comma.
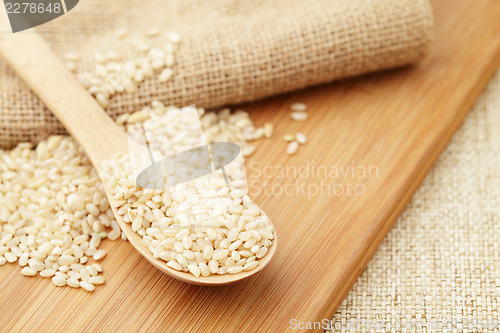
[[231, 50]]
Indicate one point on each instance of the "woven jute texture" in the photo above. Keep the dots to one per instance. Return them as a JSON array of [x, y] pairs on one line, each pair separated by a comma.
[[440, 264], [231, 50]]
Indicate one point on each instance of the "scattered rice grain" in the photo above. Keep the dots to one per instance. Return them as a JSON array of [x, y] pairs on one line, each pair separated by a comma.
[[299, 116], [298, 107], [301, 138], [292, 148]]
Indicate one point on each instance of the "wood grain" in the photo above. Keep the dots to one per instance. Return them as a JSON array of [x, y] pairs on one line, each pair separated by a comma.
[[397, 121]]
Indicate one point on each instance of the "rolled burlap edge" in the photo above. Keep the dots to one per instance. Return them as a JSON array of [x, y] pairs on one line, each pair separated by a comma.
[[232, 60]]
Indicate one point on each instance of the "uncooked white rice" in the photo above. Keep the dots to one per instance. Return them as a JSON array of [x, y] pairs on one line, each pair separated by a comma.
[[73, 208], [112, 74], [52, 205]]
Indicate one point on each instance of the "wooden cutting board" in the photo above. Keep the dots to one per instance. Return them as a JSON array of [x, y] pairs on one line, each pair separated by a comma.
[[392, 125]]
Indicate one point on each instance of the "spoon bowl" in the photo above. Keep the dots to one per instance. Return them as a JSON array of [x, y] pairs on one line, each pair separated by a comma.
[[211, 280]]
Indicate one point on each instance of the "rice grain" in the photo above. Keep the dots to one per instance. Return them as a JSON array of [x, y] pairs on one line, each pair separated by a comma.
[[292, 148], [87, 285], [299, 107], [96, 280], [28, 271], [301, 138], [72, 282], [299, 116], [59, 281]]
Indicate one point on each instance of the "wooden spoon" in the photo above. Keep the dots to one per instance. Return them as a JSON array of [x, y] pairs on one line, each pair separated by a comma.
[[33, 60]]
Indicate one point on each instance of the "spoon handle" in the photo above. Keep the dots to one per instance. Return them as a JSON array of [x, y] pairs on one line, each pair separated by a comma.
[[34, 61]]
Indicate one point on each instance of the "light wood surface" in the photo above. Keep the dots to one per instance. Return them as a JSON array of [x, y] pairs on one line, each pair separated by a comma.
[[397, 121], [99, 136]]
